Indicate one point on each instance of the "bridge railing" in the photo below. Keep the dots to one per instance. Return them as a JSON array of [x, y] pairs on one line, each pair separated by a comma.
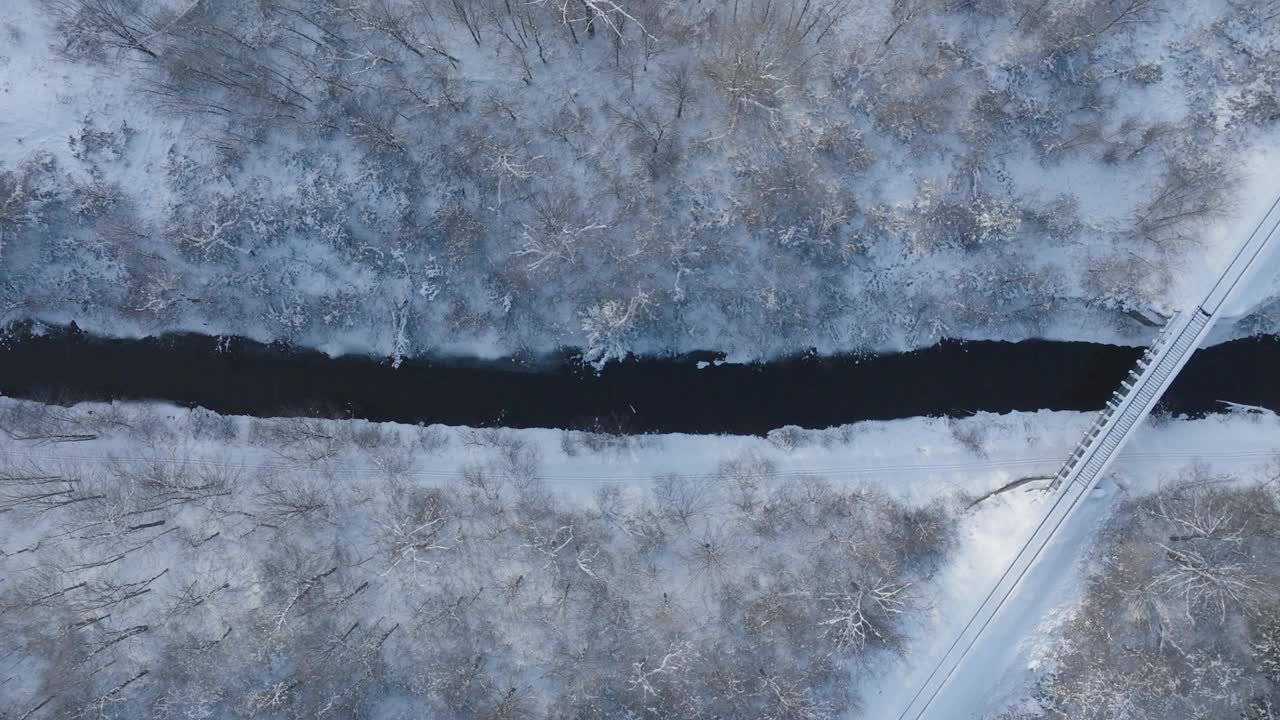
[[1159, 365], [1134, 399]]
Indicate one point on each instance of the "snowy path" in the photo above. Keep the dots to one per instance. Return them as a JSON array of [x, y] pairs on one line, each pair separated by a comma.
[[900, 473]]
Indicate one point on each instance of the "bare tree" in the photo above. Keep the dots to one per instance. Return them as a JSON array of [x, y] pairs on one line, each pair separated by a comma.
[[471, 14], [1191, 192], [683, 499], [608, 13], [31, 488], [1066, 26], [754, 61], [643, 122], [301, 439], [290, 498], [393, 22], [676, 82], [414, 527], [89, 25], [903, 13], [1207, 583]]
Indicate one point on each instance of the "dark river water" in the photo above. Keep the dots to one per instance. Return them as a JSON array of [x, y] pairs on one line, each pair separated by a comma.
[[670, 394]]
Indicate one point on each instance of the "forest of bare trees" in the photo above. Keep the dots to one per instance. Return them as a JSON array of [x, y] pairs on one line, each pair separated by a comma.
[[752, 174], [303, 568]]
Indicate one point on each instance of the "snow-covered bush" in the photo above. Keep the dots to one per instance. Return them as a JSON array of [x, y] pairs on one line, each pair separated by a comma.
[[607, 325], [1178, 619], [25, 193]]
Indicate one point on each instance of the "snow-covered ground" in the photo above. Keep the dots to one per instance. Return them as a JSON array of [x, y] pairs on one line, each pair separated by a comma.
[[918, 462]]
